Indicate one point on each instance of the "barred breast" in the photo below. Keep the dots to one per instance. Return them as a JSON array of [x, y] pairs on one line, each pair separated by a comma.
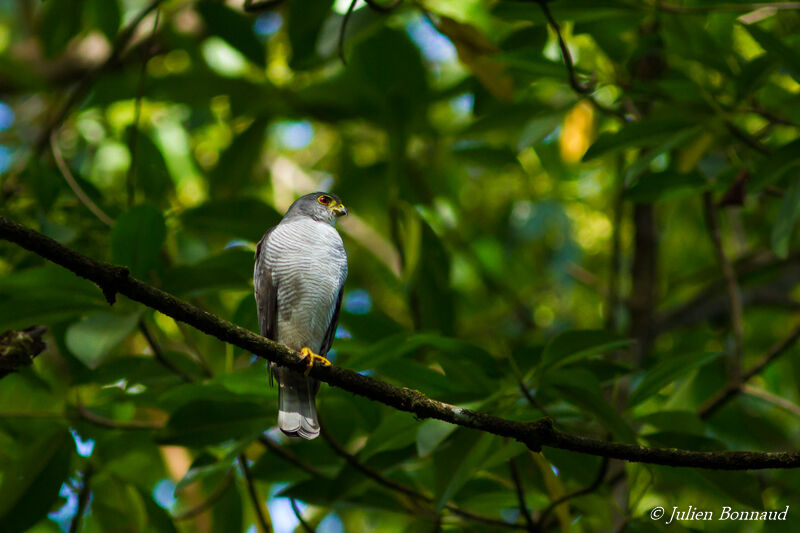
[[309, 266]]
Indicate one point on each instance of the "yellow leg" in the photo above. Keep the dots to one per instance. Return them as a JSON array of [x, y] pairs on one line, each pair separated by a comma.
[[306, 353]]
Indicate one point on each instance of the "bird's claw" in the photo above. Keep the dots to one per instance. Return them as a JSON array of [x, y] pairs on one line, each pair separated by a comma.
[[310, 357]]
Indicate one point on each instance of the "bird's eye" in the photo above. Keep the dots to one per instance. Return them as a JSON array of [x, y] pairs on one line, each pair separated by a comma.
[[325, 200]]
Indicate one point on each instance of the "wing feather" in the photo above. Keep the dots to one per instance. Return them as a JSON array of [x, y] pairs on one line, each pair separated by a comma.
[[266, 292]]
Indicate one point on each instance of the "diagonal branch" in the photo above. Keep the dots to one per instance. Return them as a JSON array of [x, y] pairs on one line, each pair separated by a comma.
[[733, 389], [114, 279]]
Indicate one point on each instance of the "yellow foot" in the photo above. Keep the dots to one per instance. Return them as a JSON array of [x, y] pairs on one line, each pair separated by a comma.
[[306, 353]]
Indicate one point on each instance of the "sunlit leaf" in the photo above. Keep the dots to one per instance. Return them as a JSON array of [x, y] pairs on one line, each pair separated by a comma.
[[670, 369], [91, 339]]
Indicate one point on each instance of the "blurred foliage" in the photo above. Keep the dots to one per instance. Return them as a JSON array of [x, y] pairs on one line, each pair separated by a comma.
[[497, 243]]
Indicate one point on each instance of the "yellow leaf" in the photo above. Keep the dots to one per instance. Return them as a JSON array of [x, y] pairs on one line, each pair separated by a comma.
[[577, 132]]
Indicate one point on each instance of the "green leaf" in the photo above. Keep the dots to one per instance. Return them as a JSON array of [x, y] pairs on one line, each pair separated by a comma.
[[158, 519], [231, 269], [662, 186], [431, 434], [779, 52], [573, 345], [397, 430], [635, 134], [232, 217], [667, 371], [674, 421], [394, 97], [91, 339], [60, 22], [304, 27], [457, 463], [643, 161], [205, 422], [227, 512], [774, 167], [152, 175], [136, 241], [205, 466], [582, 390], [574, 10], [234, 171], [787, 218], [233, 27], [103, 15], [31, 483]]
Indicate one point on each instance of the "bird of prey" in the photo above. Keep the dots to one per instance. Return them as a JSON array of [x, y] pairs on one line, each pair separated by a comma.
[[299, 276]]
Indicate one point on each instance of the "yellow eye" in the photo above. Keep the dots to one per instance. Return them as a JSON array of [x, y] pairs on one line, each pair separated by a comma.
[[325, 200]]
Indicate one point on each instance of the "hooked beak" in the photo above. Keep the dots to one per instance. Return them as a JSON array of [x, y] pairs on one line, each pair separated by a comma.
[[339, 210]]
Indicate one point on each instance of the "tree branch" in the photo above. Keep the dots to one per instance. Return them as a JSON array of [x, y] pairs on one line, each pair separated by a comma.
[[593, 486], [768, 397], [520, 489], [306, 526], [18, 348], [581, 90], [733, 389], [76, 188], [114, 279]]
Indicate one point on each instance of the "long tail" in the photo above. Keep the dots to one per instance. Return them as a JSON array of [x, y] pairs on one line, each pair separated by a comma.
[[297, 409]]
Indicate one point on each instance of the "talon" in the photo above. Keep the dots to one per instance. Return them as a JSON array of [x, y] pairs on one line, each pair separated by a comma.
[[306, 353]]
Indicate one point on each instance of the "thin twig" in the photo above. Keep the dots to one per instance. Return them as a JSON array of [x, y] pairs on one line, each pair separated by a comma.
[[82, 196], [733, 389], [299, 516], [264, 523], [343, 29], [209, 502], [732, 287], [288, 456], [523, 505], [83, 498], [159, 354], [593, 486], [777, 401], [565, 55]]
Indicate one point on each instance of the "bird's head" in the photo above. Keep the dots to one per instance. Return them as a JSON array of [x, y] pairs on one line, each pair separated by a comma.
[[321, 206]]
